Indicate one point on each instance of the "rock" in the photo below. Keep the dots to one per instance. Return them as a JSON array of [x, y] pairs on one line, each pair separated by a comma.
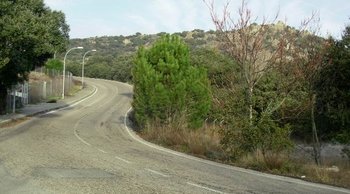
[[333, 169]]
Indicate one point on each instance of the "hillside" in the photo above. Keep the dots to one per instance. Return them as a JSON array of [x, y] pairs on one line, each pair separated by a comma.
[[120, 45], [114, 56], [113, 59]]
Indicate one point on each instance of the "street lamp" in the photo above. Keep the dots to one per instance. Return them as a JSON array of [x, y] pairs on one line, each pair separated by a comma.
[[82, 69], [64, 67]]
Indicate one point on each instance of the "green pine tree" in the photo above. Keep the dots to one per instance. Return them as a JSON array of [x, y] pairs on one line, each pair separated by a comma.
[[167, 88]]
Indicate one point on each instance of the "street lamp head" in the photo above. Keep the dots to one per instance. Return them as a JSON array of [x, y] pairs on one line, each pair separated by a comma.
[[80, 47], [94, 50]]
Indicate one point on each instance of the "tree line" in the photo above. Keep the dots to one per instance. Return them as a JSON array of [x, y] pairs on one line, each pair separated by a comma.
[[114, 57]]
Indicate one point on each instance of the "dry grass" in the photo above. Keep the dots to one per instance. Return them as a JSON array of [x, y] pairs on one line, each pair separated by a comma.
[[73, 90], [299, 168], [38, 77], [326, 174], [205, 143], [14, 122]]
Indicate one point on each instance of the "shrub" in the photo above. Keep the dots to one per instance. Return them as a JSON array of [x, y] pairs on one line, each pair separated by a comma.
[[167, 88], [264, 134]]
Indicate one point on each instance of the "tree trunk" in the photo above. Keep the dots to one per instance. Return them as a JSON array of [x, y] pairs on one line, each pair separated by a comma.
[[3, 96], [250, 100], [315, 141]]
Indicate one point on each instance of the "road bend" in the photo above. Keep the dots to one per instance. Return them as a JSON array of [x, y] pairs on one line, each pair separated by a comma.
[[87, 148]]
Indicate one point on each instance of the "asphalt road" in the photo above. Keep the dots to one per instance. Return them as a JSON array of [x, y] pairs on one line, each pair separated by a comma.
[[87, 148]]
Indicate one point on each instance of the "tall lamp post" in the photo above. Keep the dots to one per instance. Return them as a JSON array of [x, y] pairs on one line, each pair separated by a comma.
[[82, 69], [64, 67]]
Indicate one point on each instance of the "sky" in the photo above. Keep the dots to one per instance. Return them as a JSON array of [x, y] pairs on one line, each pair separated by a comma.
[[91, 18]]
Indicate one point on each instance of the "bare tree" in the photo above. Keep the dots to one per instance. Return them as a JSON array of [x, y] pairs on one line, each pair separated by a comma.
[[308, 59], [247, 45], [297, 53]]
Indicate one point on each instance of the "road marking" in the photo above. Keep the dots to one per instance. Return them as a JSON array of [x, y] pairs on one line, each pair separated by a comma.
[[74, 104], [76, 133], [80, 101], [81, 139], [156, 172], [121, 159], [50, 112], [234, 168], [75, 126], [206, 188], [102, 150]]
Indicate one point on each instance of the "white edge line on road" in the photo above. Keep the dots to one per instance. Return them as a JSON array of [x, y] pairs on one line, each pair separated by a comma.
[[81, 139], [156, 172], [256, 173], [75, 103], [121, 159], [80, 101], [75, 126], [50, 112], [102, 150], [206, 188]]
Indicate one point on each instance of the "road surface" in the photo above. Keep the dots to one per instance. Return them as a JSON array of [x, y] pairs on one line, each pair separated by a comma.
[[87, 148]]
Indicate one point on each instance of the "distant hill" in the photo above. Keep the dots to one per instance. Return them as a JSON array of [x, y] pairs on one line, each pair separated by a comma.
[[121, 45], [114, 56]]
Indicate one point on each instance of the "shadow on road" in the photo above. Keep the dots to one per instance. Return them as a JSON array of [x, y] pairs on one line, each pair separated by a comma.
[[129, 94]]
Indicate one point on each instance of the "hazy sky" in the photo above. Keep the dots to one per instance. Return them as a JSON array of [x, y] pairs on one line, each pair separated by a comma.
[[90, 18]]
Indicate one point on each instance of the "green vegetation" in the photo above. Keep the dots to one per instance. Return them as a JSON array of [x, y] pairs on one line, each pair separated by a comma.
[[242, 96], [115, 54], [168, 90], [333, 91], [54, 64], [281, 103], [255, 117], [30, 34]]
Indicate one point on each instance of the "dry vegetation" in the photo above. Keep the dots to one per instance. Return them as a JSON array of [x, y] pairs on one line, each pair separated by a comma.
[[262, 104], [205, 143], [13, 123], [38, 77]]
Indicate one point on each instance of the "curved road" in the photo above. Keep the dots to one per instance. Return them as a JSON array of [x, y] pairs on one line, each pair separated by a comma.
[[87, 148]]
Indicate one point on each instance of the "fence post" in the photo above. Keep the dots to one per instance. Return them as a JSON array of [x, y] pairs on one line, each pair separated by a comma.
[[51, 90], [27, 92], [14, 101], [8, 101], [44, 90], [22, 97]]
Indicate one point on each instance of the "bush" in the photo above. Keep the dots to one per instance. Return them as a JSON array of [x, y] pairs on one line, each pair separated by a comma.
[[167, 88], [264, 134], [54, 64]]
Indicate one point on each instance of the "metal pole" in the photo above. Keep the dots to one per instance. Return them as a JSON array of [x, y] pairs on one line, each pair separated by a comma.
[[82, 68], [64, 68]]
